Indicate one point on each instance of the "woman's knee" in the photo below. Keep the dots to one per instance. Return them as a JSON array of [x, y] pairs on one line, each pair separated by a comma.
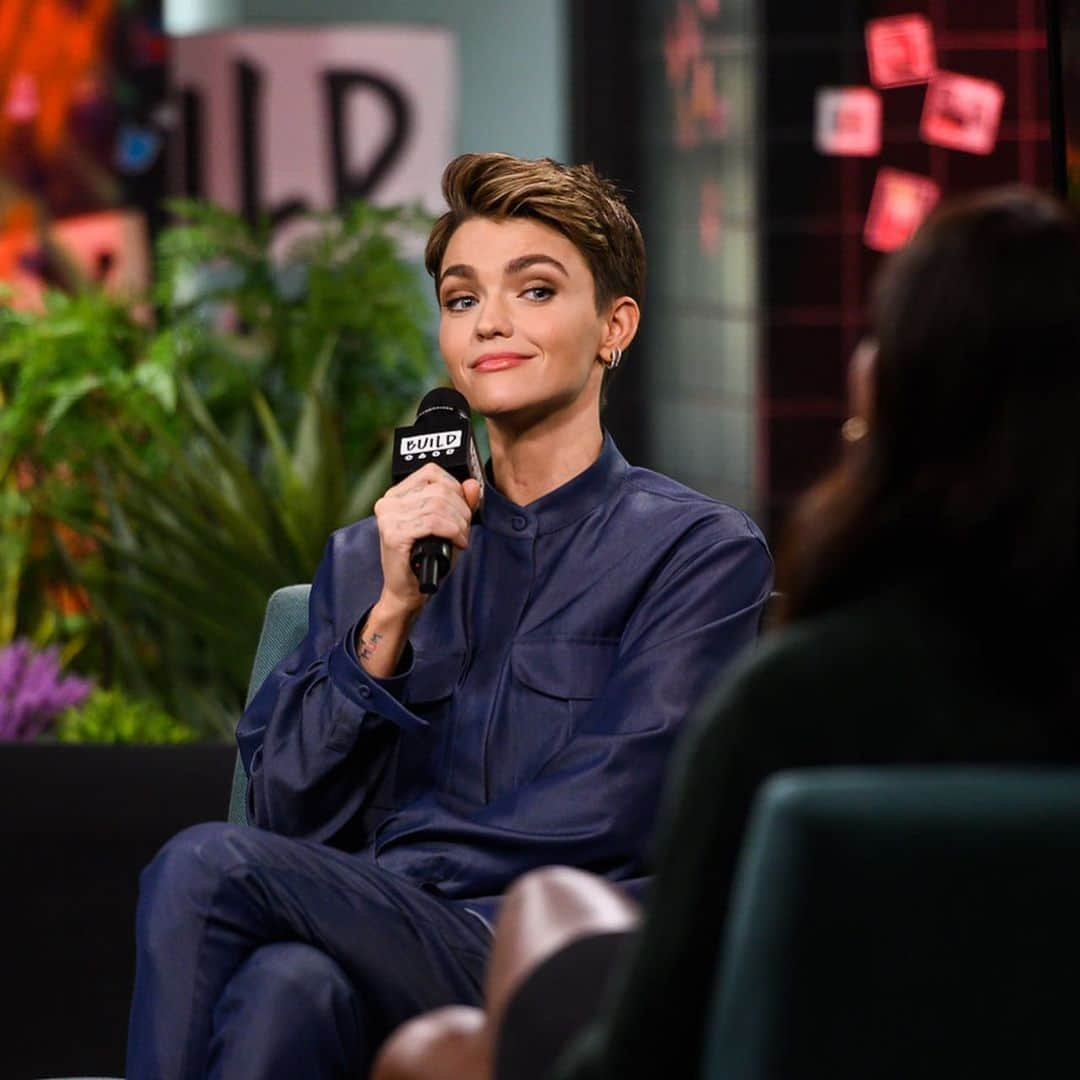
[[288, 1010], [564, 902], [543, 911], [187, 871], [291, 976]]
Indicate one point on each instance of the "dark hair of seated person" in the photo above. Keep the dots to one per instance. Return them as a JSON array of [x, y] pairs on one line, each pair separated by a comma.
[[967, 482], [930, 583]]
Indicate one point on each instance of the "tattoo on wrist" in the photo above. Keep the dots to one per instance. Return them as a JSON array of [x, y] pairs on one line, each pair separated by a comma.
[[368, 645]]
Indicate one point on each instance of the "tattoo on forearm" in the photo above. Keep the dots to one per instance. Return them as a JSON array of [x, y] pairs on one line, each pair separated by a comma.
[[368, 645]]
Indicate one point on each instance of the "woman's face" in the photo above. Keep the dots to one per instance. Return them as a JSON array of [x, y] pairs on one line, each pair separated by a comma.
[[518, 327]]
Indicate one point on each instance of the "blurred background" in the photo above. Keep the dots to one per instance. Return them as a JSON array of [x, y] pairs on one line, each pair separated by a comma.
[[212, 312]]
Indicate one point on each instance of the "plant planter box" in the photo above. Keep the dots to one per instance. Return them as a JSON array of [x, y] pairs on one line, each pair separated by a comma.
[[77, 824]]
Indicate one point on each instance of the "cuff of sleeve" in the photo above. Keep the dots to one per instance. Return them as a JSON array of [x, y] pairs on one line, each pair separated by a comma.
[[379, 696]]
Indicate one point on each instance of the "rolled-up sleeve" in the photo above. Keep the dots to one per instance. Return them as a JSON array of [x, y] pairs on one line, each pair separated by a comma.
[[318, 732]]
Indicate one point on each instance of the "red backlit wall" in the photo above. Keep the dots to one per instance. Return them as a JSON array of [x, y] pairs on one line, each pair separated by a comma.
[[817, 264]]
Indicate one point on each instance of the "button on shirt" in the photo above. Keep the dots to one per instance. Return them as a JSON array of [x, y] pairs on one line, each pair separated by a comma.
[[537, 702]]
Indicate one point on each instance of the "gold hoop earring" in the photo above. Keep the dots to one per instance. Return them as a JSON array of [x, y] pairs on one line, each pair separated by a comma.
[[854, 429]]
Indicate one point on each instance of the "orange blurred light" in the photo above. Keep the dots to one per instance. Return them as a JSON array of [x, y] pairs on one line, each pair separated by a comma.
[[55, 47]]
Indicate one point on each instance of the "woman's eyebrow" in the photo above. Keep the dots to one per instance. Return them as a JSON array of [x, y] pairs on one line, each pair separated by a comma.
[[523, 262], [514, 266], [457, 270]]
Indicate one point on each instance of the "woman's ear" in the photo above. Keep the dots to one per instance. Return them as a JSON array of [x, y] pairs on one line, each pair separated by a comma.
[[621, 325]]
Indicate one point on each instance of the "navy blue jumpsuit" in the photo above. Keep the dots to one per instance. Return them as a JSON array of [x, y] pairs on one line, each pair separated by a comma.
[[530, 723]]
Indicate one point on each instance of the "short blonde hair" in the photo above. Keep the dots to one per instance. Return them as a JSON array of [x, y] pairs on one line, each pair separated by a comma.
[[572, 199]]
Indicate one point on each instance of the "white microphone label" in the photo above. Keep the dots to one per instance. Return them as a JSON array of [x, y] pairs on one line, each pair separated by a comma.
[[436, 442]]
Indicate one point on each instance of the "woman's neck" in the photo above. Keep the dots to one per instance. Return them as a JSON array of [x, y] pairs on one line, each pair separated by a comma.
[[529, 463]]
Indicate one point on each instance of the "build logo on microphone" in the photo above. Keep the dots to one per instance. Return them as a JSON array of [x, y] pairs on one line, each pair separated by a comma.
[[433, 444]]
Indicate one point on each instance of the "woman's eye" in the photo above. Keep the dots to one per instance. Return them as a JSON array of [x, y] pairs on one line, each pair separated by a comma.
[[459, 303], [544, 290]]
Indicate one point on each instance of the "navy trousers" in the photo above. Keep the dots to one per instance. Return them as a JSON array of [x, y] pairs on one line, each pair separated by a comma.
[[259, 955]]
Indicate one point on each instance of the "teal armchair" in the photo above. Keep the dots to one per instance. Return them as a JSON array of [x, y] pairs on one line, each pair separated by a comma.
[[284, 626], [903, 922], [885, 922]]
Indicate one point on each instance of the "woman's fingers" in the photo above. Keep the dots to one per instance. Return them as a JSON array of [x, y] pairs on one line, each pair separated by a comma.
[[430, 508], [442, 523], [430, 475], [472, 491], [430, 502]]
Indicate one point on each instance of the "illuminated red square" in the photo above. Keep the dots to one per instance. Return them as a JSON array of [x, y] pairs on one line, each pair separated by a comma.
[[847, 120], [962, 113], [900, 50], [900, 202]]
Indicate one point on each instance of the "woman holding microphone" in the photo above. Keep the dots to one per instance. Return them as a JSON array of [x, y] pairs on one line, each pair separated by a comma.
[[416, 753]]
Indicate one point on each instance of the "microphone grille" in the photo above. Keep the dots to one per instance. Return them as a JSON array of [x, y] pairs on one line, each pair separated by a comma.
[[444, 397]]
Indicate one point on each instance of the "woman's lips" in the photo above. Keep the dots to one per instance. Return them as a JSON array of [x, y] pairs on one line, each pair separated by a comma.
[[499, 361]]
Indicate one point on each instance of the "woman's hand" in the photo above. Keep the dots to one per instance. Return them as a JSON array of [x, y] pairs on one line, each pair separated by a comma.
[[428, 503]]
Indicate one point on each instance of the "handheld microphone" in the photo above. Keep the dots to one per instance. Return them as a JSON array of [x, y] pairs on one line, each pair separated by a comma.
[[443, 434]]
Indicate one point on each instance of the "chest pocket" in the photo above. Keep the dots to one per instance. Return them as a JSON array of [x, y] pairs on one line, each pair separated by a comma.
[[554, 683], [570, 669]]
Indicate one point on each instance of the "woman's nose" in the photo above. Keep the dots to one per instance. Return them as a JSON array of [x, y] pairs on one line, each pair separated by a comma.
[[493, 319]]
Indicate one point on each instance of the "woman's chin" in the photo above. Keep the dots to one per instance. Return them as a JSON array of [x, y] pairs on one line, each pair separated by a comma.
[[521, 411], [495, 406]]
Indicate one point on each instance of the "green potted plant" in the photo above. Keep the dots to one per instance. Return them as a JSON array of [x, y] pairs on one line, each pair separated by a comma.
[[183, 467]]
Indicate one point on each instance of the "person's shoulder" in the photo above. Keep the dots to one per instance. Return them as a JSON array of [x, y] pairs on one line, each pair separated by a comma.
[[785, 693], [811, 651], [653, 496], [851, 654]]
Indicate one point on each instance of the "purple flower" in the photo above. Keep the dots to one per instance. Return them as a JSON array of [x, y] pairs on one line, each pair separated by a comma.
[[33, 690]]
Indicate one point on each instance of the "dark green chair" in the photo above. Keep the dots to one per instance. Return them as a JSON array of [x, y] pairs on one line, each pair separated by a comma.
[[904, 922], [284, 626], [886, 922]]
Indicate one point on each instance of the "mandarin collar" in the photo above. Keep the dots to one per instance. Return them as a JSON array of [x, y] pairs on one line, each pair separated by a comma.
[[561, 507]]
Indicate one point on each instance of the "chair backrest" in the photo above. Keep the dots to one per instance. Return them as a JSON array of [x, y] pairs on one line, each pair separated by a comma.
[[903, 922], [284, 627]]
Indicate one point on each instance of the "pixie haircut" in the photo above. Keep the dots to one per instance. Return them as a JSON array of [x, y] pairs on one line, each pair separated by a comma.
[[572, 199]]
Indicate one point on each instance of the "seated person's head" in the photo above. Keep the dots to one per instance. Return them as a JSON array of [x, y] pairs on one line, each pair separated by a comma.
[[965, 478], [565, 312]]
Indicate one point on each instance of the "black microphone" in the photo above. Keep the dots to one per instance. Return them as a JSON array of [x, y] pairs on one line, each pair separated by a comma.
[[443, 434]]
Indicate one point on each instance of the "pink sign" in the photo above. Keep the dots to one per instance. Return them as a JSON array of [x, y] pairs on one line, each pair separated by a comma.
[[962, 113], [900, 50], [108, 247], [847, 121], [900, 202]]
